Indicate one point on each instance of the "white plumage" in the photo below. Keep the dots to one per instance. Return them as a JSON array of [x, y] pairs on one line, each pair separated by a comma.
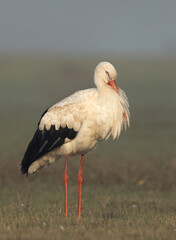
[[95, 114]]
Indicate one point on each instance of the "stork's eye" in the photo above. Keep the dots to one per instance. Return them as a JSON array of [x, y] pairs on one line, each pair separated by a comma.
[[107, 74]]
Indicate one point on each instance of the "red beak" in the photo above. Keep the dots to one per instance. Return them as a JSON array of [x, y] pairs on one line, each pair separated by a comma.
[[113, 85]]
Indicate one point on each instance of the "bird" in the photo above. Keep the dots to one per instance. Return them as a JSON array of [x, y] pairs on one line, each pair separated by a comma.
[[76, 124]]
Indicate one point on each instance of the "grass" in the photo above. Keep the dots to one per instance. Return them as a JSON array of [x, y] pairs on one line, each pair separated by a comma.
[[130, 184], [110, 214]]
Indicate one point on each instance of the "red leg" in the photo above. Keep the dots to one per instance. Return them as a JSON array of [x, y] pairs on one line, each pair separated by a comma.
[[66, 177], [80, 183]]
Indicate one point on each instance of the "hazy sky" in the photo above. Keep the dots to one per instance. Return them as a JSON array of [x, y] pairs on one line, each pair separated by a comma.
[[125, 26]]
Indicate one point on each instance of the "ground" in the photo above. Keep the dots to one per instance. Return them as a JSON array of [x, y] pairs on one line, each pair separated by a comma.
[[129, 185]]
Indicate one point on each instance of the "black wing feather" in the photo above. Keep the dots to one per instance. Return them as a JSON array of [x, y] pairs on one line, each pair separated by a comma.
[[43, 142]]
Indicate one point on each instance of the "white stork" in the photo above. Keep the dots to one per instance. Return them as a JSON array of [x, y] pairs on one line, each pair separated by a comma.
[[76, 124]]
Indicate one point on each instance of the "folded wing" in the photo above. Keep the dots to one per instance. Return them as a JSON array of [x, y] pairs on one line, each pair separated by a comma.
[[58, 124]]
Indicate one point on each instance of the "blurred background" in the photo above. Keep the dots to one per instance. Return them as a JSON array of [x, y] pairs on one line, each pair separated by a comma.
[[49, 49]]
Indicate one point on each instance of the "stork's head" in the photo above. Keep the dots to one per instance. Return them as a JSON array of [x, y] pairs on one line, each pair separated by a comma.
[[105, 76]]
